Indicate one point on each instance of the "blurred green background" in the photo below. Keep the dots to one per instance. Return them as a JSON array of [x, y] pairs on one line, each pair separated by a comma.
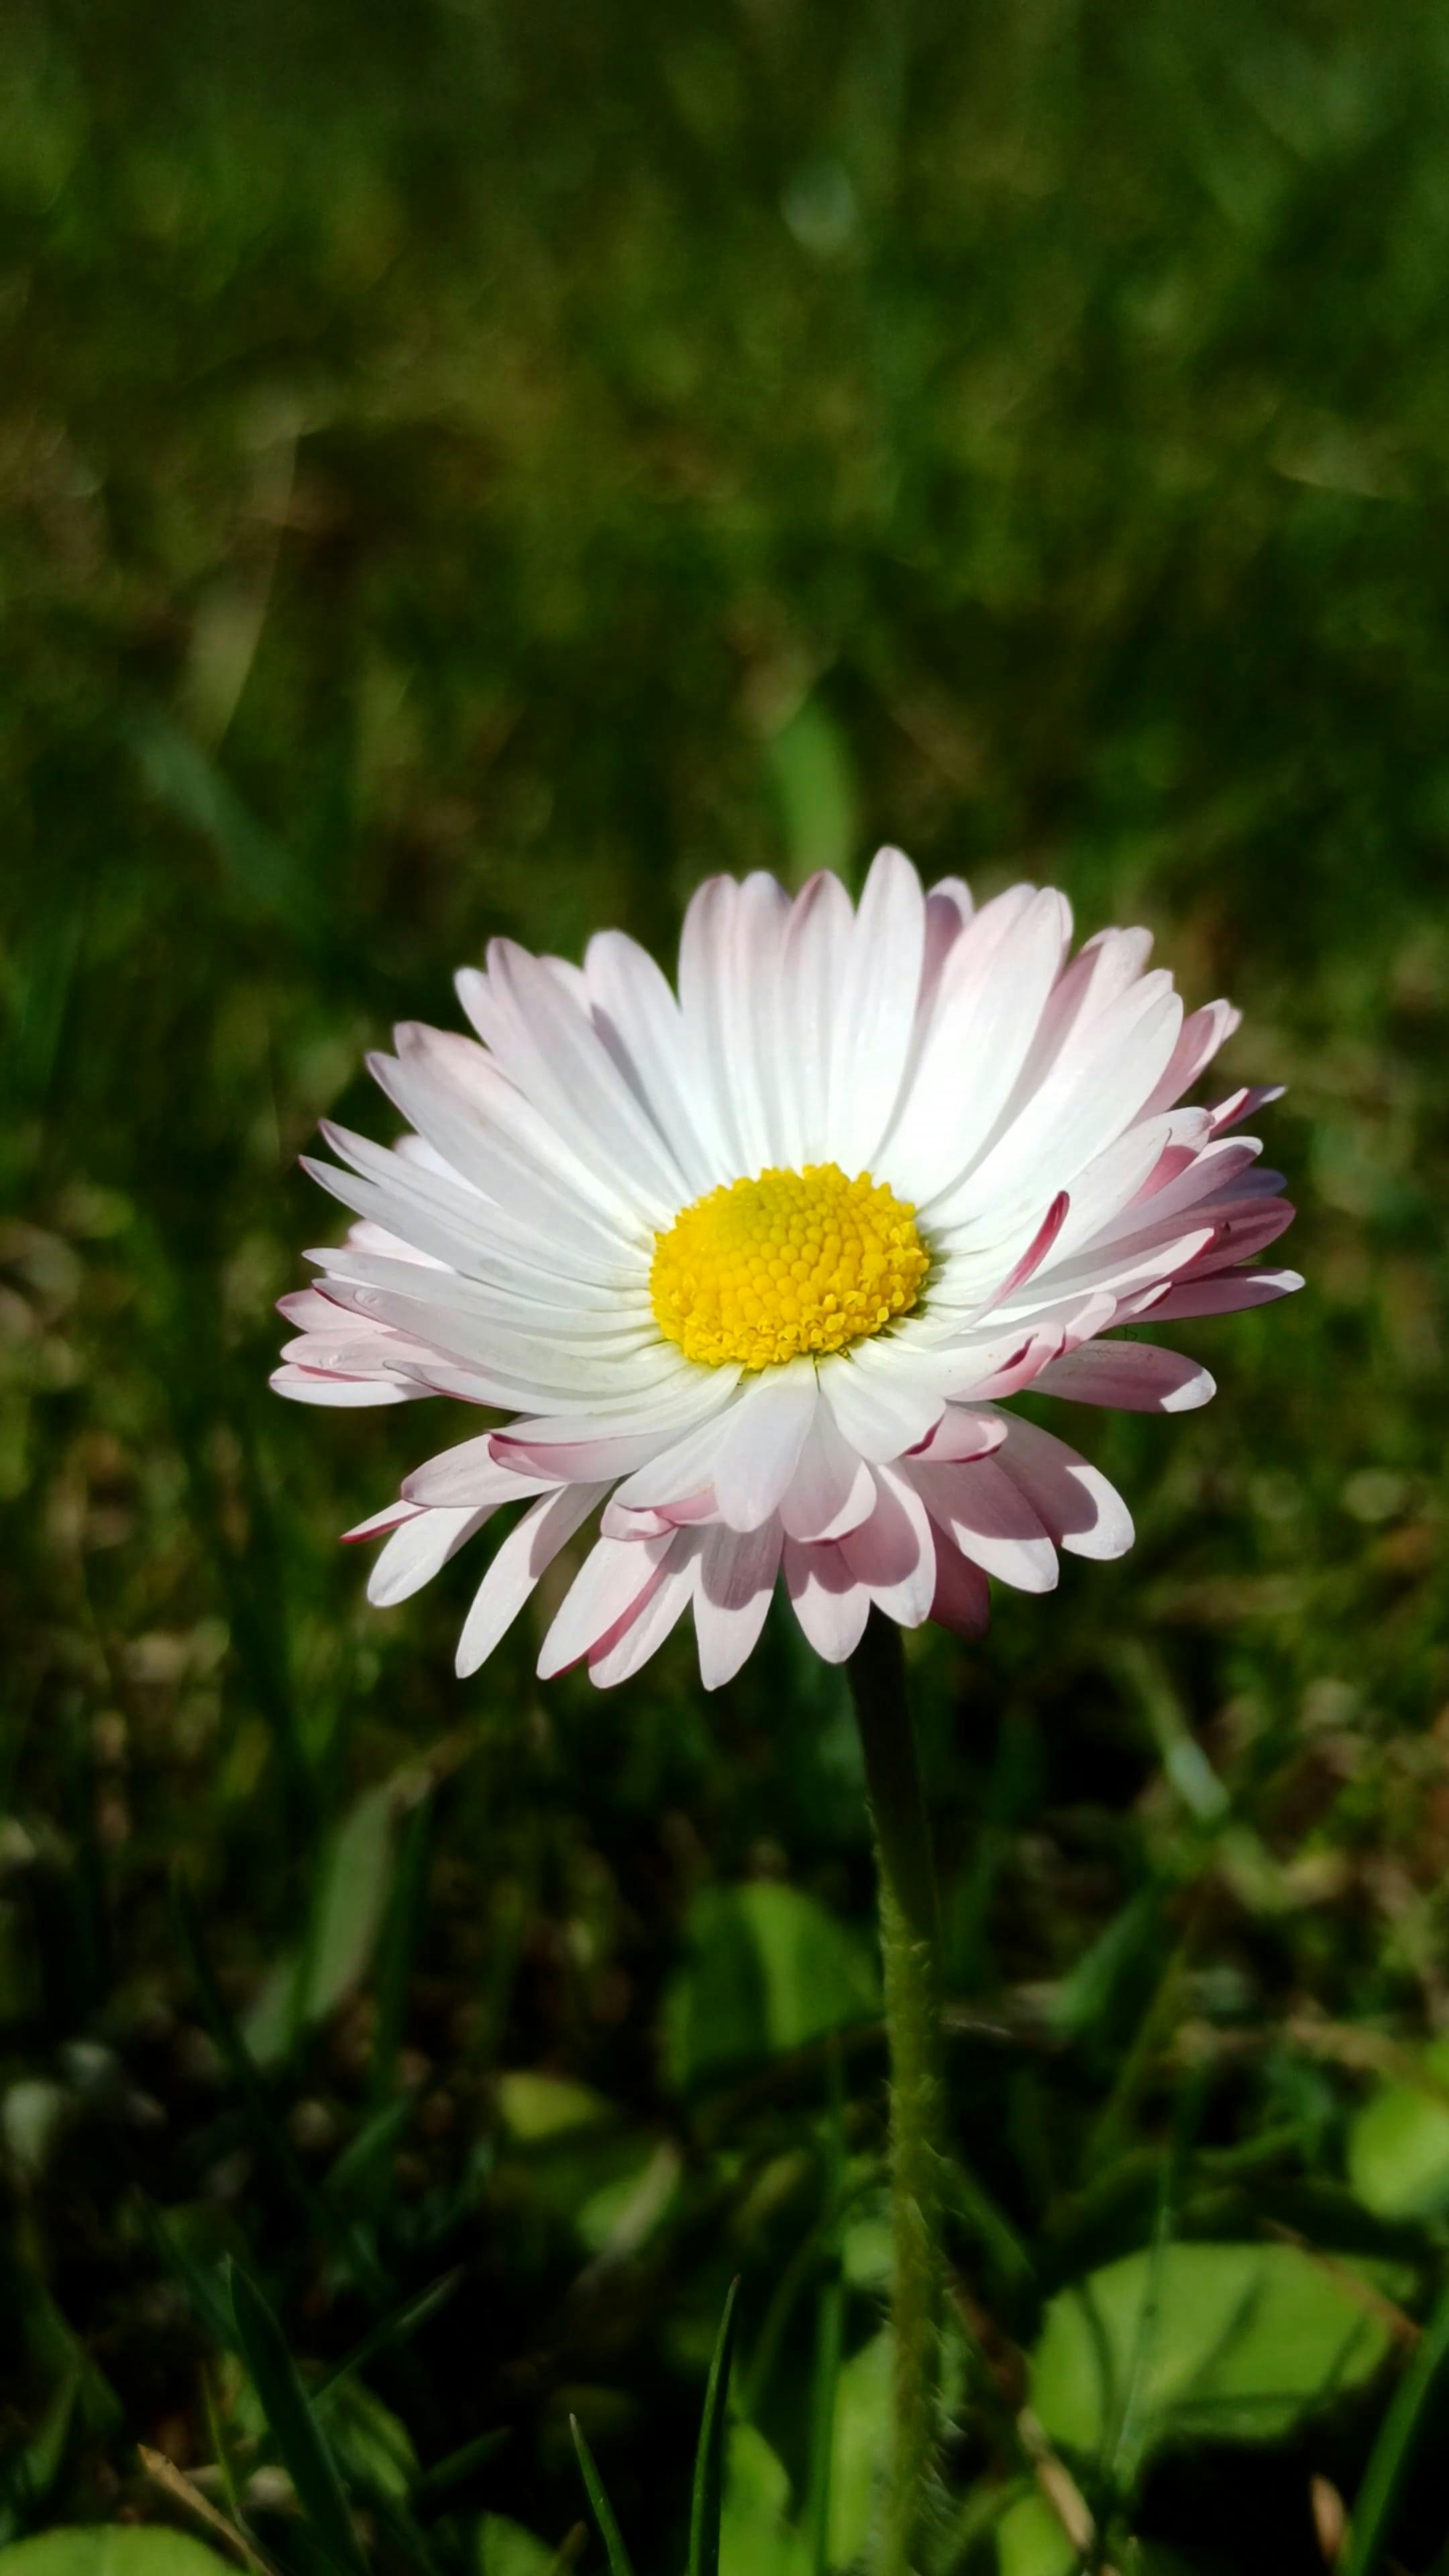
[[480, 467]]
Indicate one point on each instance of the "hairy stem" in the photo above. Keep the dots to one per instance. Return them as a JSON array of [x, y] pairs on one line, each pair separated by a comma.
[[910, 1945]]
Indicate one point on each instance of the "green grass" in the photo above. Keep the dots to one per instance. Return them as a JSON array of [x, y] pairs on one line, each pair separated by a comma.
[[478, 468]]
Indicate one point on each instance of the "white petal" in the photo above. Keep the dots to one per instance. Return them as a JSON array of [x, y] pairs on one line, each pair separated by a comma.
[[526, 1553], [1105, 968], [812, 970], [449, 1236], [883, 1400], [527, 1196], [990, 1372], [497, 1285], [1111, 1181], [1078, 1112], [550, 1048], [736, 1578], [311, 1386], [457, 1224], [680, 1473], [831, 1606], [730, 931], [646, 1426], [985, 1022], [639, 1020], [875, 1010], [832, 1489], [760, 1442], [540, 1368]]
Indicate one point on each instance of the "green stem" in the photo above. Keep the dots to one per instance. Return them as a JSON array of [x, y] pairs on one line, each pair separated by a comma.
[[910, 1945]]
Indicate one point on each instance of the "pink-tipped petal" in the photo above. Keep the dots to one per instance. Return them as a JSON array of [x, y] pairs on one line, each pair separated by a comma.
[[628, 1645], [988, 1377], [1035, 1253], [526, 1553], [1073, 1500], [417, 1549], [990, 1520], [962, 1433], [609, 1582], [831, 1606], [378, 1524], [893, 1553], [471, 1474], [1227, 1294], [1244, 1104], [737, 1573], [962, 1598], [1135, 1376], [1203, 1032]]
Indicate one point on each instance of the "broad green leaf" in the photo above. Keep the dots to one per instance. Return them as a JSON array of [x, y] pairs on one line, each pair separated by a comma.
[[538, 2107], [373, 2447], [31, 2113], [862, 2416], [350, 1902], [506, 2549], [766, 1970], [125, 2550], [610, 2185], [1398, 2146], [1226, 2343], [1030, 2541], [756, 2537], [622, 2213], [866, 2249]]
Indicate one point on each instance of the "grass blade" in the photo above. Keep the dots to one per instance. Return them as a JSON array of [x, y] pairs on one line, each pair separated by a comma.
[[1408, 2421], [609, 2532], [293, 2424], [270, 2137], [709, 2458], [403, 2322]]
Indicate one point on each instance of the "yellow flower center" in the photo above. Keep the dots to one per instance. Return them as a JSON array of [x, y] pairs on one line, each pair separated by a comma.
[[758, 1271]]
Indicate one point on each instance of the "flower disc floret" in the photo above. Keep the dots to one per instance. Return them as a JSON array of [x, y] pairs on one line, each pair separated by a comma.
[[760, 1271]]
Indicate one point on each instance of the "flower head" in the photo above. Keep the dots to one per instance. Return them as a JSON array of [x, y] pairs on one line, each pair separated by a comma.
[[751, 1272]]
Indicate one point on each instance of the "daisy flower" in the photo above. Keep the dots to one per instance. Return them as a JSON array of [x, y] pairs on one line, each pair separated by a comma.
[[748, 1273]]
